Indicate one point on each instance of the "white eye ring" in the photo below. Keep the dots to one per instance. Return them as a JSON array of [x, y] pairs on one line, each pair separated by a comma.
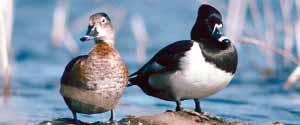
[[103, 20]]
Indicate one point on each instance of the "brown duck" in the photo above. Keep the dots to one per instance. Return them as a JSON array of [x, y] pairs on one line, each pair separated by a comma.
[[94, 83]]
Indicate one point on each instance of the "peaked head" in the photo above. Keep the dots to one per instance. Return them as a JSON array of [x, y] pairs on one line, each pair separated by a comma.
[[100, 29], [208, 24]]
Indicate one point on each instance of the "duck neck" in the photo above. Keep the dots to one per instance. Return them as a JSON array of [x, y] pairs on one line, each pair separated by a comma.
[[110, 42], [212, 43], [101, 49]]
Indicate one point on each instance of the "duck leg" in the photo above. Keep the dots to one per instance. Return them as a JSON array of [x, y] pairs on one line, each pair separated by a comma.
[[112, 115], [197, 105], [178, 106], [74, 116]]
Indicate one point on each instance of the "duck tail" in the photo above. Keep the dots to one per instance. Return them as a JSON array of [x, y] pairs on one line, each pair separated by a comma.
[[130, 84], [133, 80], [137, 80]]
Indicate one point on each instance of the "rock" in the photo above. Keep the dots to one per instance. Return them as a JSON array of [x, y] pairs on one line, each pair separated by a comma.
[[185, 117]]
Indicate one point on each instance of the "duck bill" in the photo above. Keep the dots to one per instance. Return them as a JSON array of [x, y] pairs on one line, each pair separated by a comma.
[[217, 33], [90, 35], [86, 38]]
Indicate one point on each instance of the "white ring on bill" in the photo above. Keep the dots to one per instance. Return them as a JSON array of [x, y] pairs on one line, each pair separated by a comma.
[[222, 38]]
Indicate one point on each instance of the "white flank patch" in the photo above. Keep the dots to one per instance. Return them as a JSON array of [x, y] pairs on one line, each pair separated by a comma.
[[197, 79]]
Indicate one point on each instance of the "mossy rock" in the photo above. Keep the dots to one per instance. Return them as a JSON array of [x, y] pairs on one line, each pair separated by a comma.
[[185, 117]]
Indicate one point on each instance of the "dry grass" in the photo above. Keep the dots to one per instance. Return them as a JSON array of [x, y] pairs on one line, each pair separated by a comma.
[[268, 24], [60, 31], [264, 20], [235, 18], [6, 23], [140, 34]]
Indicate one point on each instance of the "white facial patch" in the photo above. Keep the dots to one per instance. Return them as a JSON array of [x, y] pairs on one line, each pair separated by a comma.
[[101, 32], [217, 26]]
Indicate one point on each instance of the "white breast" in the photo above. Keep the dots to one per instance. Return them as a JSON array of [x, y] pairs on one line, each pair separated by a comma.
[[196, 79]]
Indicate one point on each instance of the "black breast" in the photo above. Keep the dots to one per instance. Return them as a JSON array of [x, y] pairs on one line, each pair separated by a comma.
[[222, 55]]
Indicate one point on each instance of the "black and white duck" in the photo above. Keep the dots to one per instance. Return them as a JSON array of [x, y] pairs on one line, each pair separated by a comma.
[[191, 69]]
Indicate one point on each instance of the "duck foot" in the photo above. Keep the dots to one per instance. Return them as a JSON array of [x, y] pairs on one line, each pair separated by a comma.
[[205, 115], [202, 116], [216, 118], [113, 122]]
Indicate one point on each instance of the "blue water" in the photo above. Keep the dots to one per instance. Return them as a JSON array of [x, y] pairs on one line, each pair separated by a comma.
[[38, 66]]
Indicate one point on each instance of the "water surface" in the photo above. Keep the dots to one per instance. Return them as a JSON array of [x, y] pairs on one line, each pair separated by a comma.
[[38, 66]]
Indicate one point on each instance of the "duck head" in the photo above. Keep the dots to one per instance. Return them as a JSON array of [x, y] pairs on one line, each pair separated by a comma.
[[100, 29], [208, 24]]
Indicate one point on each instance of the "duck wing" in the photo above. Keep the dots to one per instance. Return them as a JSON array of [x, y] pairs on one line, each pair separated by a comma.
[[73, 70], [167, 59]]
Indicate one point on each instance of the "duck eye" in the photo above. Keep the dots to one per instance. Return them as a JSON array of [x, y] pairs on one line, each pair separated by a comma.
[[103, 20]]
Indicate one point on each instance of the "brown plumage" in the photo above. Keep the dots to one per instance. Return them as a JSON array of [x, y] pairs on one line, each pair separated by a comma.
[[95, 82]]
